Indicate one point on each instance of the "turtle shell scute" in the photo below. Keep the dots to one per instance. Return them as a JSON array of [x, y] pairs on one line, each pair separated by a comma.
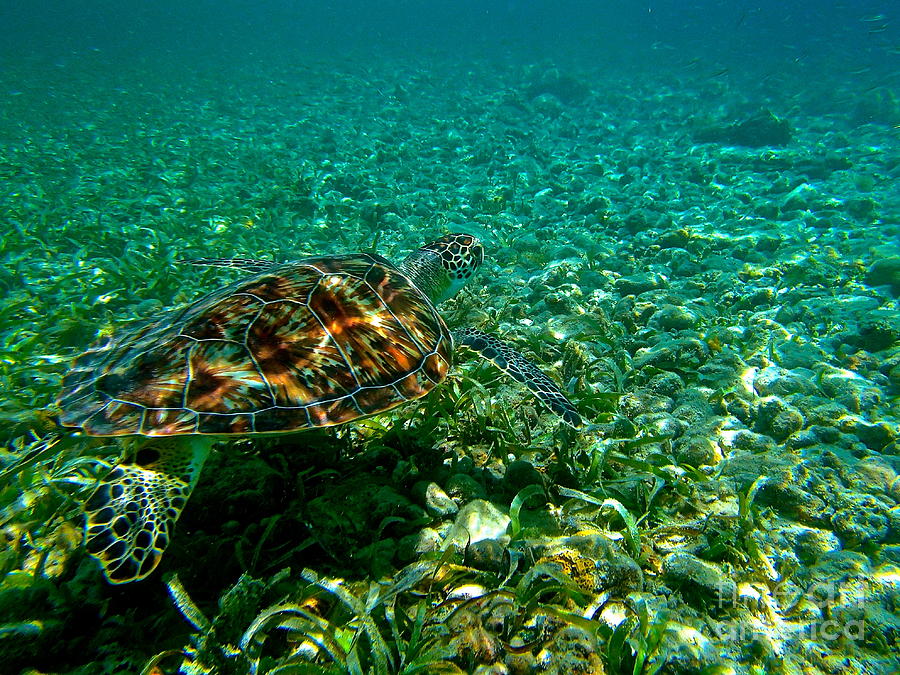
[[318, 342]]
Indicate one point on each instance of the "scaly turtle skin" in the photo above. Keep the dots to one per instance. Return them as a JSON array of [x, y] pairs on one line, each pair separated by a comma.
[[314, 343]]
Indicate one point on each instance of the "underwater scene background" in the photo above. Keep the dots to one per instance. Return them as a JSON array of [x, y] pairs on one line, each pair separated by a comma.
[[691, 221]]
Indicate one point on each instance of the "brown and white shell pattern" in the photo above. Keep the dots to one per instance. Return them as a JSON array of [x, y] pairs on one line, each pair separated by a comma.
[[313, 343]]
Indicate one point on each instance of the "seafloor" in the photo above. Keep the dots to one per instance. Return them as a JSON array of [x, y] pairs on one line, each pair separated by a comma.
[[709, 266]]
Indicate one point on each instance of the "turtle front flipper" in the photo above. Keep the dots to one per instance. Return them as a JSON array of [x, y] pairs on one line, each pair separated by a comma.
[[131, 514], [245, 264], [520, 369]]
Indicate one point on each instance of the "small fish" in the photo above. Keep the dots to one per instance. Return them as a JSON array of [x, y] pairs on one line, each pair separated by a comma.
[[873, 18], [878, 29]]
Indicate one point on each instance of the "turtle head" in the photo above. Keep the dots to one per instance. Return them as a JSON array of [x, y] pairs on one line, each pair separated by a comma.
[[444, 266]]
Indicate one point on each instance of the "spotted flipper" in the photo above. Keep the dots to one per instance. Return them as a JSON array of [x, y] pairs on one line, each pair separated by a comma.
[[131, 514], [520, 369], [245, 264]]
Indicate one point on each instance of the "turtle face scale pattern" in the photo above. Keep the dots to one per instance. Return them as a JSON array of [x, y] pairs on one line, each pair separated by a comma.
[[314, 343], [443, 267]]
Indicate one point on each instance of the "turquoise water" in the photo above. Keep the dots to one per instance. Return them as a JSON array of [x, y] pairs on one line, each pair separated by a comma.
[[690, 223]]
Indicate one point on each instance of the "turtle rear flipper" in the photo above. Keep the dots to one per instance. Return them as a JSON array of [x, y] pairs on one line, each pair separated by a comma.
[[520, 369], [131, 514]]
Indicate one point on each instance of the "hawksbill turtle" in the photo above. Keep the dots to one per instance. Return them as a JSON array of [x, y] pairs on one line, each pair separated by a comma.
[[314, 343]]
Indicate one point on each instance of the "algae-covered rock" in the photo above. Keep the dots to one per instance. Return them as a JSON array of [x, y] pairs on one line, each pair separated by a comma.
[[849, 389], [761, 129], [775, 381], [792, 501], [802, 197], [696, 450], [565, 87], [862, 519], [688, 572], [670, 317], [477, 520], [688, 650], [436, 502], [862, 208], [412, 546], [877, 475], [488, 554], [465, 488], [677, 353], [571, 649], [797, 354], [875, 435], [778, 419], [885, 272], [890, 553], [811, 543], [752, 442], [807, 544], [660, 424], [521, 473], [665, 384], [879, 333], [593, 562], [640, 283], [642, 402]]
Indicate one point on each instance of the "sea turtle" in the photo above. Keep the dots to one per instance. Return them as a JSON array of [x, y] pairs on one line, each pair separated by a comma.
[[313, 343]]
